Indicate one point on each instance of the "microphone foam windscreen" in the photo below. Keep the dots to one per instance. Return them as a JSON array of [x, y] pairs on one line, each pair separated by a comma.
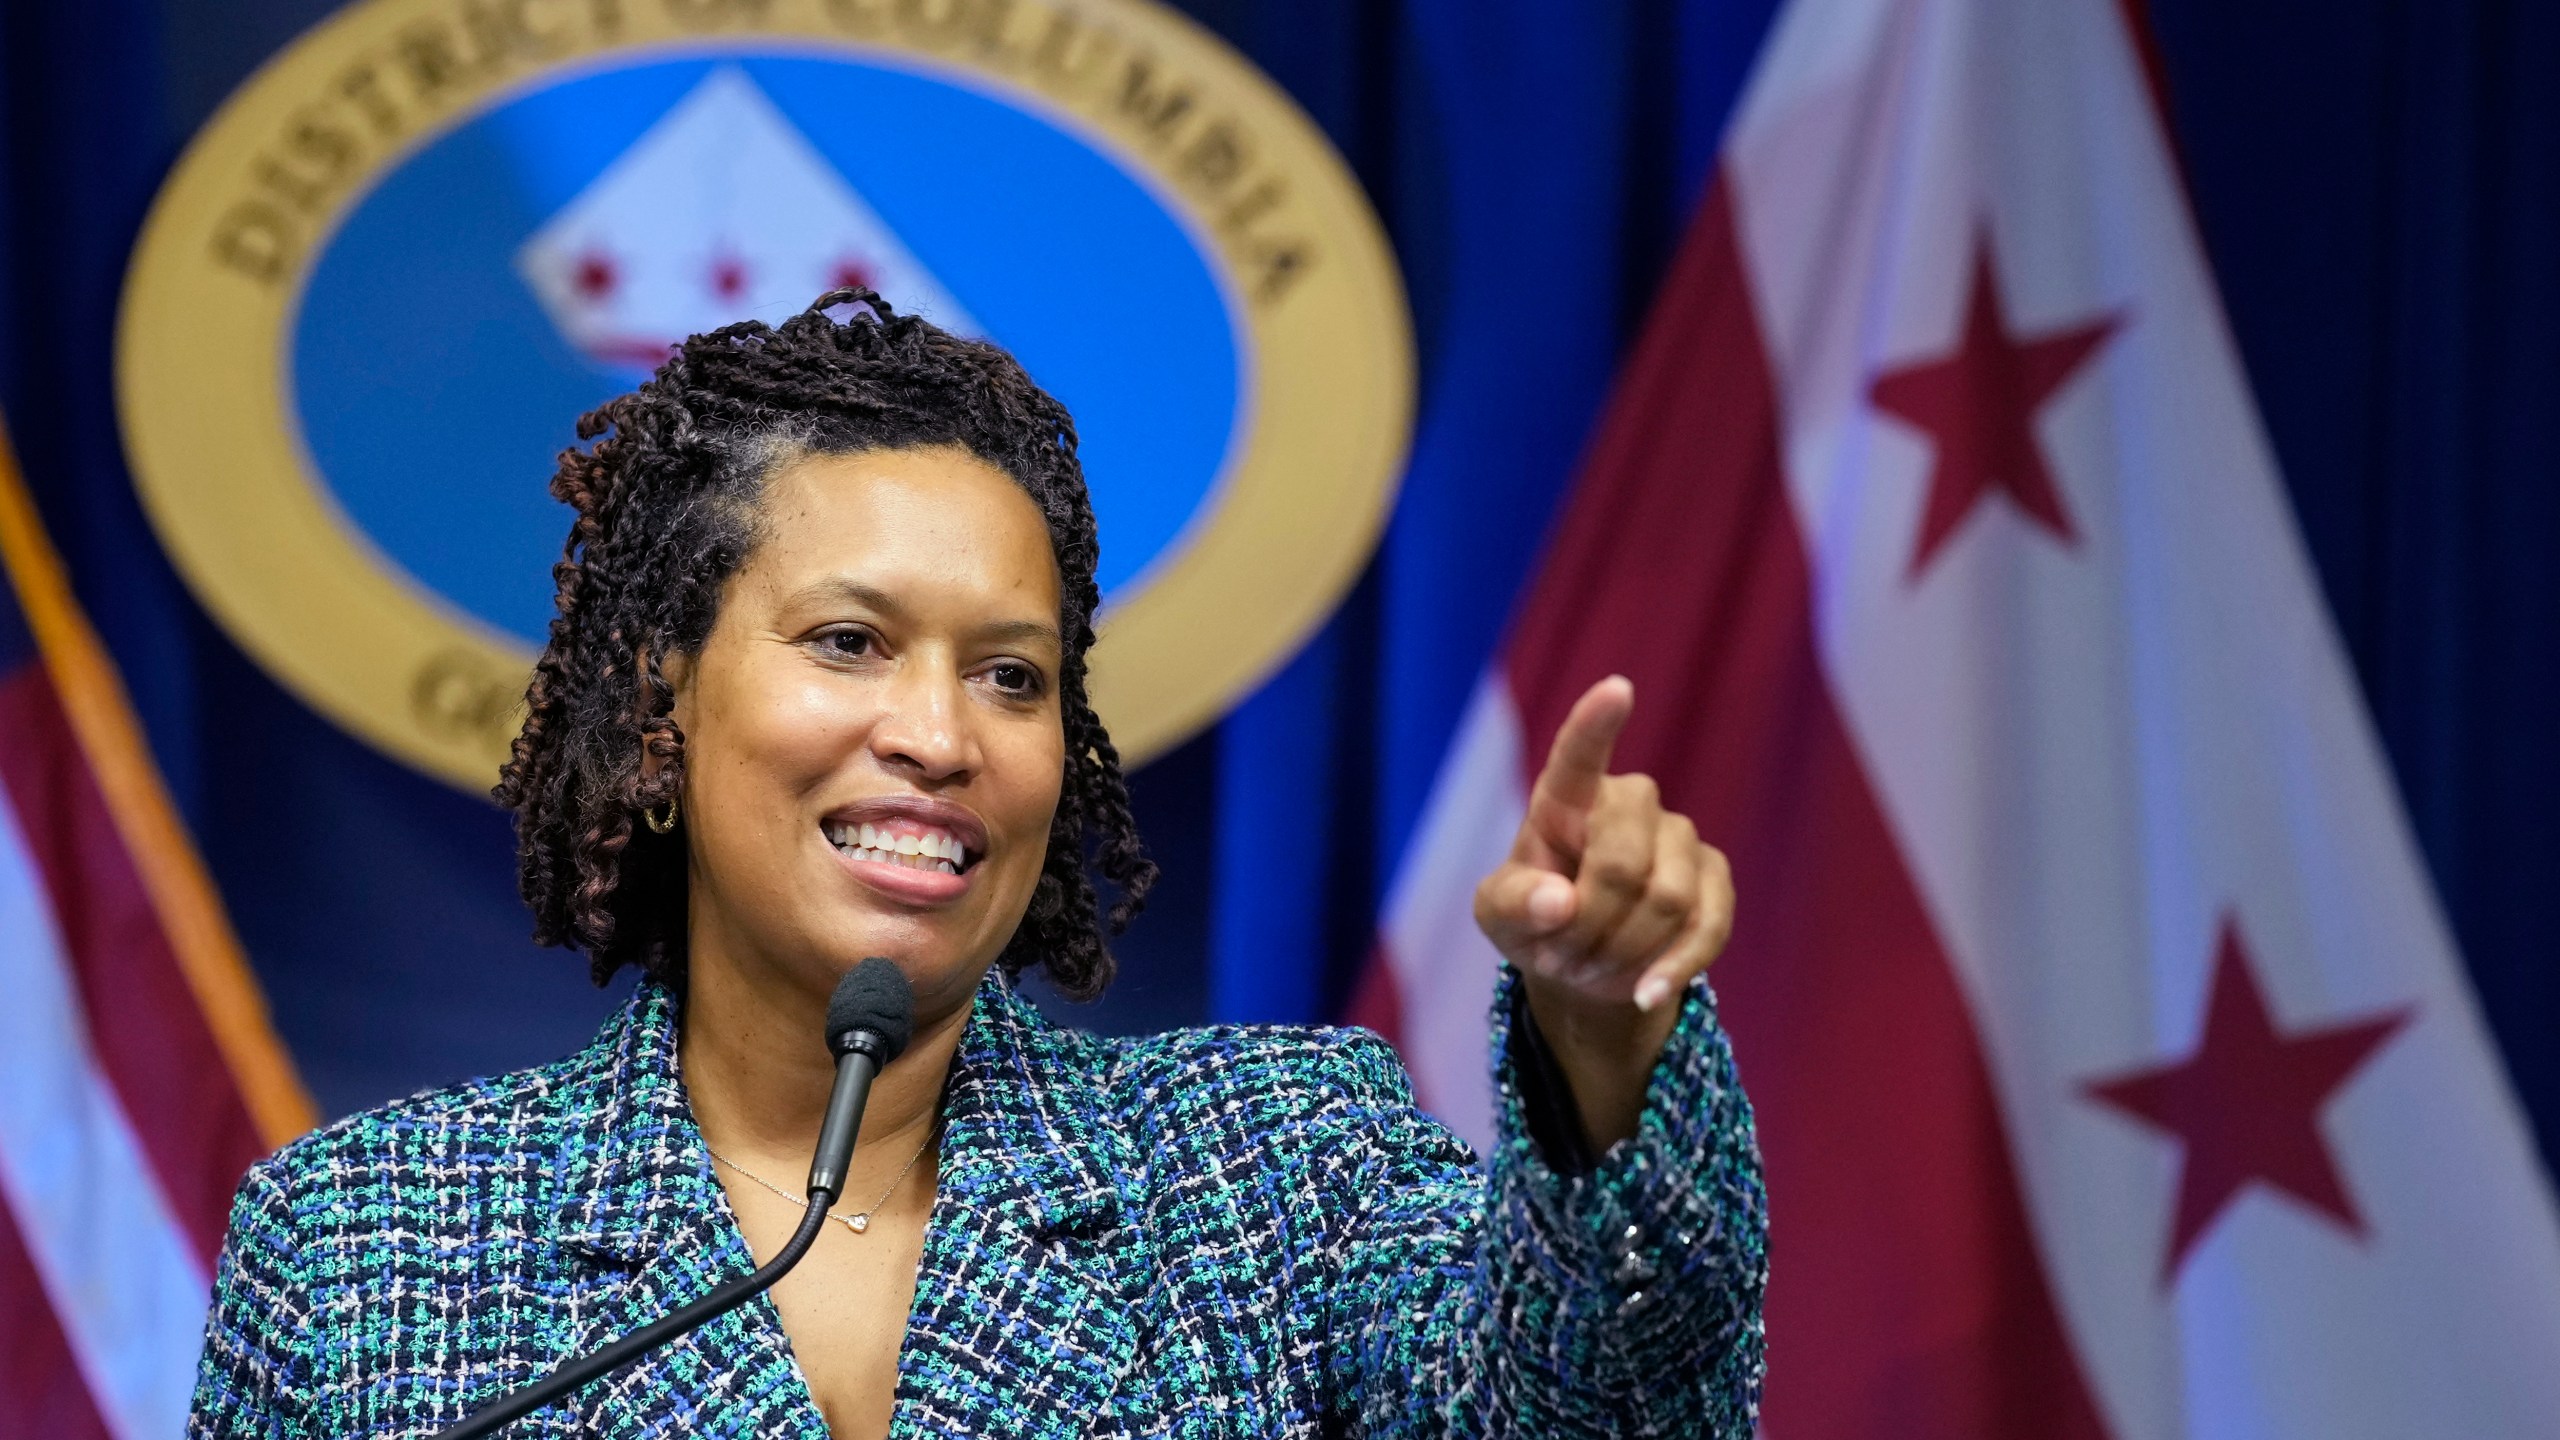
[[874, 996]]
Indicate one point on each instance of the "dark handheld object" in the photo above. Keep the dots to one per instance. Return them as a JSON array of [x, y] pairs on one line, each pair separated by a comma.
[[868, 1022]]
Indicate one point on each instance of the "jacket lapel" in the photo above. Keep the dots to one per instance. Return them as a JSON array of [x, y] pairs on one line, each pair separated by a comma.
[[1027, 1299], [643, 1211]]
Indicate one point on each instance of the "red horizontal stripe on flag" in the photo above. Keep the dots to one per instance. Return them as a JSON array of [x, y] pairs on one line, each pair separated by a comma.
[[42, 1396], [1906, 1295], [145, 1027]]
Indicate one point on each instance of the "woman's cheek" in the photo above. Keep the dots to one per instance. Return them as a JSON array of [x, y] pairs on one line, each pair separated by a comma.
[[1040, 766]]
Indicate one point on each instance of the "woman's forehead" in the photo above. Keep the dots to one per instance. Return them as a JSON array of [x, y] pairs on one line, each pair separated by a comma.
[[933, 519]]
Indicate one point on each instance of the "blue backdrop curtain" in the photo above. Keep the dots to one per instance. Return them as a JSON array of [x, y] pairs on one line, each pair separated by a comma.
[[2378, 182]]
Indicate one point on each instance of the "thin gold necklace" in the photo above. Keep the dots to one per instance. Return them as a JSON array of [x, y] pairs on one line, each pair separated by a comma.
[[856, 1223]]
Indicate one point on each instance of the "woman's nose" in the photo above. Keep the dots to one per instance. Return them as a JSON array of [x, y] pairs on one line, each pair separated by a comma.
[[925, 725]]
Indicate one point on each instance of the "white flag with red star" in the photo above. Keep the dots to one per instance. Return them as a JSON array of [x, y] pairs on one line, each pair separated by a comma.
[[2116, 1071]]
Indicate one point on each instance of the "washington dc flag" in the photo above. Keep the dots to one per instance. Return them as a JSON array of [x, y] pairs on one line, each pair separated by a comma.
[[2116, 1072], [138, 1075]]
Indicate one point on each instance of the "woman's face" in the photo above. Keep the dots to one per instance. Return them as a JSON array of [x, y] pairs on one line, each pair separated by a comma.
[[873, 750]]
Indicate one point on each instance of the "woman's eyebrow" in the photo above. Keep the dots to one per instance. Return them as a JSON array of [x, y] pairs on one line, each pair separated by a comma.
[[1020, 631], [836, 589], [839, 589]]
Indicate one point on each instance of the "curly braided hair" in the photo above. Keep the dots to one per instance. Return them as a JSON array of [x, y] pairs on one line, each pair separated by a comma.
[[667, 504]]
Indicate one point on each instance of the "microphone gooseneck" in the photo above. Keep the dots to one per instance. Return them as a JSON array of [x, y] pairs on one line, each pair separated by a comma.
[[869, 1020]]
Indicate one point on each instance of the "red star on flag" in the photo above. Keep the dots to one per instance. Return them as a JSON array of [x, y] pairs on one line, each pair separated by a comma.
[[2246, 1105], [1979, 403]]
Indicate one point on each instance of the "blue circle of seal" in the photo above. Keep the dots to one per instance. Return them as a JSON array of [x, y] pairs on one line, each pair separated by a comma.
[[433, 389]]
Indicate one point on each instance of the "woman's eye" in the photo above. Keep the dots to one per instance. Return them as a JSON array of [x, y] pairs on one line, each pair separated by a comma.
[[851, 644], [1015, 679]]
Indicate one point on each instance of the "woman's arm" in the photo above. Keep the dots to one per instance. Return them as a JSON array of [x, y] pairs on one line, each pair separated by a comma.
[[1613, 1283], [1535, 1297], [1609, 906]]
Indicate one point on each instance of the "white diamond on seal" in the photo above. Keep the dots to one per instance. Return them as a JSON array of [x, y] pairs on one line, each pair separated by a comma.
[[722, 211]]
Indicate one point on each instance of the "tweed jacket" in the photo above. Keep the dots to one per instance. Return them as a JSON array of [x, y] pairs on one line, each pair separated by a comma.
[[1213, 1232]]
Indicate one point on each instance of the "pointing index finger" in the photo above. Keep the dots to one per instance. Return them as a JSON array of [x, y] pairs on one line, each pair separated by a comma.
[[1579, 760]]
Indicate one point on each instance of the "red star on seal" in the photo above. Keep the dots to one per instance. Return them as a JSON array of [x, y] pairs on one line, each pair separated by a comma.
[[728, 277], [595, 276], [2246, 1105], [1979, 403], [851, 274]]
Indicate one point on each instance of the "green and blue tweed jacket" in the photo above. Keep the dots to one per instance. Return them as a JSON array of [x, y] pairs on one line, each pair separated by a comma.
[[1216, 1232]]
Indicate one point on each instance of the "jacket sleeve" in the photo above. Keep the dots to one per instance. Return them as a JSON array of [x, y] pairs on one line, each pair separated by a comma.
[[1512, 1299], [254, 1359]]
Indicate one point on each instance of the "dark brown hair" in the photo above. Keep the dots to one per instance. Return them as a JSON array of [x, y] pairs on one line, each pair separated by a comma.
[[667, 502]]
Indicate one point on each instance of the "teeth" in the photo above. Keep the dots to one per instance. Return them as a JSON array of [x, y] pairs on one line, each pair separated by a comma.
[[935, 850]]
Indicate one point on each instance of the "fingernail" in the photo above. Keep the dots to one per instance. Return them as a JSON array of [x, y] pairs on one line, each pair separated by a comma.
[[1551, 901], [1652, 991]]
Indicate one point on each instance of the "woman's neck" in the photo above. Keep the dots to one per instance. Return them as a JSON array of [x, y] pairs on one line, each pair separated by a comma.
[[758, 1073]]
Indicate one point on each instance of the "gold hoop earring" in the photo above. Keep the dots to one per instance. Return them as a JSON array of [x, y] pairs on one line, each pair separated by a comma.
[[662, 826]]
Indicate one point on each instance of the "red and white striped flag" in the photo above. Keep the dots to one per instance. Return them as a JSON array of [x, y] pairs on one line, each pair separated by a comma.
[[2116, 1071], [138, 1075]]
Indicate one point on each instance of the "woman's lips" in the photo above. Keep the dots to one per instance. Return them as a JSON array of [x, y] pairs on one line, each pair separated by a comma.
[[904, 883], [914, 849], [900, 841], [894, 816]]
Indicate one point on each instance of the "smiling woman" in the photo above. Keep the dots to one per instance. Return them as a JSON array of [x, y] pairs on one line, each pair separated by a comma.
[[904, 610], [911, 501], [816, 691]]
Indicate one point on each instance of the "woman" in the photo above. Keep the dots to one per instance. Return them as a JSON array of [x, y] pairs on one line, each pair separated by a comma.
[[816, 691]]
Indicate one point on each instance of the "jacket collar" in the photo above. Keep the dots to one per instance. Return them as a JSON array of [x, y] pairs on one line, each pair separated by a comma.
[[1028, 1226], [1023, 1127], [638, 1196], [631, 1161], [1029, 1205]]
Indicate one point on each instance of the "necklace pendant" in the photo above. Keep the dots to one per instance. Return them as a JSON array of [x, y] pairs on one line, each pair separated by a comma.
[[860, 1222]]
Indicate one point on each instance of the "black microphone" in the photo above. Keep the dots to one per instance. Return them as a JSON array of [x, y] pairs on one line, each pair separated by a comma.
[[869, 1019]]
